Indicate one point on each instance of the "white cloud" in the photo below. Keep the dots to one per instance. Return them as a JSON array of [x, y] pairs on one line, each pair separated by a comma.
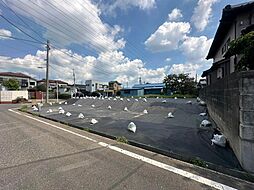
[[168, 36], [109, 8], [71, 22], [168, 59], [196, 48], [175, 15], [4, 32], [187, 68], [202, 14], [107, 66]]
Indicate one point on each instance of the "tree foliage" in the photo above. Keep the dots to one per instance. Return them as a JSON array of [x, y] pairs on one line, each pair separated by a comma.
[[182, 84], [244, 46], [11, 84], [41, 87]]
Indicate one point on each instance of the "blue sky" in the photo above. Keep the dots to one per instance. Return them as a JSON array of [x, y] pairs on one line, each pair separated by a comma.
[[110, 40]]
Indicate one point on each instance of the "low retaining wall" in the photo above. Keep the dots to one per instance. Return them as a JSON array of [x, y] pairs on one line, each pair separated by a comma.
[[230, 102], [9, 96]]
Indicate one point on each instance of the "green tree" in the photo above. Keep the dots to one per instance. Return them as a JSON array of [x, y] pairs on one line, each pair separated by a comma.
[[182, 84], [41, 87], [11, 84], [244, 46]]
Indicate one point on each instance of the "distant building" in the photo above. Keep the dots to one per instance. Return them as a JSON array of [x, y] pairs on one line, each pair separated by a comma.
[[93, 86], [143, 89], [201, 83], [53, 83], [25, 81], [235, 20], [113, 88]]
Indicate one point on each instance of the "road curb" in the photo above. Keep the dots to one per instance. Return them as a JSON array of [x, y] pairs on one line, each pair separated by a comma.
[[224, 170]]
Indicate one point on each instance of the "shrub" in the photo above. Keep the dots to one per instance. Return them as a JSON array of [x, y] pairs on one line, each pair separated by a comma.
[[122, 139], [198, 162], [64, 96], [24, 108]]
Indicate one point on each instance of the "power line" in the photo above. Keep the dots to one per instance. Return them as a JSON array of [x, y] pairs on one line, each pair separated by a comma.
[[88, 11], [14, 25], [27, 25], [129, 42], [74, 57], [34, 38], [21, 39]]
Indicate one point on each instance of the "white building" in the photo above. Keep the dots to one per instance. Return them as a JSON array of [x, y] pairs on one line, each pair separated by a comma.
[[25, 81], [54, 83], [92, 86]]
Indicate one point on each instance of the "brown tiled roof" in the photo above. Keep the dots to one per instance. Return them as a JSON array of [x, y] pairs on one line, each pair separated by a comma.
[[11, 74], [54, 81]]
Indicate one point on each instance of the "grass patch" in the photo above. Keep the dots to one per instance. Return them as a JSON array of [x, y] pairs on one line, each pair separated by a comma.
[[198, 162], [122, 139], [24, 108], [86, 129], [35, 114]]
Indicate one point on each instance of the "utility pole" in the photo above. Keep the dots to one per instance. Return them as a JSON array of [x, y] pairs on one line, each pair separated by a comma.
[[74, 85], [139, 79], [57, 91], [47, 72]]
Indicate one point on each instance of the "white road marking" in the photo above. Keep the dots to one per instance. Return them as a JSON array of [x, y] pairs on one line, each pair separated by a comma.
[[161, 165], [52, 125]]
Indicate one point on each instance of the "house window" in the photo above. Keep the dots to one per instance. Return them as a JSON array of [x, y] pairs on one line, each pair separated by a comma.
[[32, 83], [225, 47], [208, 79], [24, 83], [220, 73]]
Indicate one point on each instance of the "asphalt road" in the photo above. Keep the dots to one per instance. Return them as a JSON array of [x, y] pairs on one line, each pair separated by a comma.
[[39, 154]]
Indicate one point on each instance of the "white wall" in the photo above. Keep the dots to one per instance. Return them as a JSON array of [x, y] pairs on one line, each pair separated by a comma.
[[92, 86], [8, 96]]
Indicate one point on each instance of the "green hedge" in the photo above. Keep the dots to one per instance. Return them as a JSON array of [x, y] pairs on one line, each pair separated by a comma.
[[64, 96]]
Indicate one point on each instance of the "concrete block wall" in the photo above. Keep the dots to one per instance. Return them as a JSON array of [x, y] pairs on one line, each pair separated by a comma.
[[246, 126], [230, 102], [9, 96]]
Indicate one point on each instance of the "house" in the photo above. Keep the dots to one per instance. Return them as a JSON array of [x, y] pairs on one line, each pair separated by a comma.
[[113, 88], [143, 89], [201, 83], [25, 81], [127, 92], [93, 86], [235, 20], [53, 83], [229, 95]]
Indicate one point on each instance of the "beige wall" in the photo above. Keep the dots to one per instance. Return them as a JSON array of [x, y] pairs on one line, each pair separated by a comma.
[[242, 21]]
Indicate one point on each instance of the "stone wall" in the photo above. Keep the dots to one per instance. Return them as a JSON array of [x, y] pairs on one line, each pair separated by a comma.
[[230, 102]]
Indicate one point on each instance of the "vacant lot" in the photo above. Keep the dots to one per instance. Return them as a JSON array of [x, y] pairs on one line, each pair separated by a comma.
[[180, 135]]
